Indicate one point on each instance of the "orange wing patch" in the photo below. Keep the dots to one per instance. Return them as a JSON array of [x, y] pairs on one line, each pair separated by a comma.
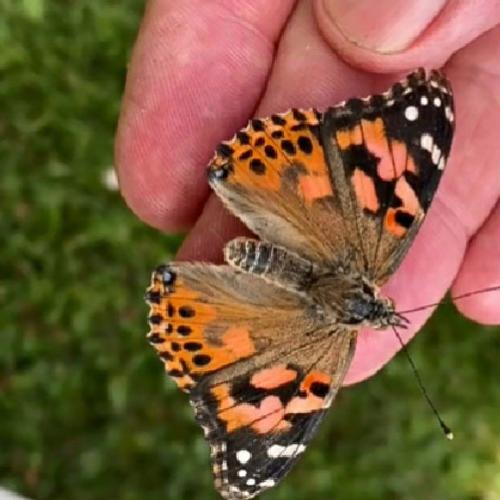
[[261, 155], [270, 413], [399, 220], [348, 137], [393, 160], [364, 188], [393, 155], [271, 378], [267, 416], [314, 187], [313, 391], [179, 321]]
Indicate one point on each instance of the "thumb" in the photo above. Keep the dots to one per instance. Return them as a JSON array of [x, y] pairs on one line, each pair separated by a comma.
[[397, 35]]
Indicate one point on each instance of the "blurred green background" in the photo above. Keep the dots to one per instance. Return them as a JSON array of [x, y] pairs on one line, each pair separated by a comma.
[[85, 410]]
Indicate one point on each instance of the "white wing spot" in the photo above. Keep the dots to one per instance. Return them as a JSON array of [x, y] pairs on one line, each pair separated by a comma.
[[424, 101], [268, 483], [243, 456], [240, 493], [278, 451], [411, 113], [436, 154], [251, 481], [441, 163], [426, 142], [242, 473], [437, 102], [449, 114]]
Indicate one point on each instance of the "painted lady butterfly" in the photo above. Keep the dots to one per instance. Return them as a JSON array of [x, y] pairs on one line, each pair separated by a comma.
[[262, 343]]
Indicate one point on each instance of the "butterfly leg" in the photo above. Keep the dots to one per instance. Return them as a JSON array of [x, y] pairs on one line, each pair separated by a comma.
[[274, 263]]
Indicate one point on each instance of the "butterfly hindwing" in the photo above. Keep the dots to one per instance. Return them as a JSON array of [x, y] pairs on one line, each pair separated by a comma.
[[259, 423]]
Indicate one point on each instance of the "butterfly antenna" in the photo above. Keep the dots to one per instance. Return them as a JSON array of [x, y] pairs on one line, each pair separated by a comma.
[[454, 297], [446, 430]]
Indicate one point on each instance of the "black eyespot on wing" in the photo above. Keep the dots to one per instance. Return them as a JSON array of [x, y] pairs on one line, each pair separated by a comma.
[[288, 147], [271, 152], [404, 219], [278, 120], [257, 125], [201, 359], [224, 150], [305, 144], [186, 312], [243, 137], [257, 167]]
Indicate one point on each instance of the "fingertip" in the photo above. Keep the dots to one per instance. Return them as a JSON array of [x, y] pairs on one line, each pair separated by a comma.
[[151, 188], [407, 34], [483, 309], [480, 272], [196, 73]]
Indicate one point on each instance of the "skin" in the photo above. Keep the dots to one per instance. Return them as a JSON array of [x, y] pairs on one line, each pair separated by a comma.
[[200, 70]]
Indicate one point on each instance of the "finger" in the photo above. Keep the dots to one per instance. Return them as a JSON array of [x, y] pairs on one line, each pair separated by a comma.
[[197, 71], [212, 230], [307, 73], [481, 267], [406, 34], [480, 270]]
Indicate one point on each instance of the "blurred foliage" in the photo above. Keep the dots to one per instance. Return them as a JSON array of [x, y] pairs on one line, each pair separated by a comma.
[[85, 410]]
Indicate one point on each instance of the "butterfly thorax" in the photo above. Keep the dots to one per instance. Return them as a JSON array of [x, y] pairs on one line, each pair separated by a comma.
[[352, 300]]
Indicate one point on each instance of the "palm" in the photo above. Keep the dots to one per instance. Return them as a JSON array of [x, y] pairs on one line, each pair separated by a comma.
[[206, 81]]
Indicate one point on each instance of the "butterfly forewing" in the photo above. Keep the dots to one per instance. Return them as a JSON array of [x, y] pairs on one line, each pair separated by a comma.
[[352, 184], [261, 368], [387, 154]]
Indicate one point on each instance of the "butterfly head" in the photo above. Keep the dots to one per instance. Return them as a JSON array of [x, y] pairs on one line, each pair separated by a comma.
[[368, 307]]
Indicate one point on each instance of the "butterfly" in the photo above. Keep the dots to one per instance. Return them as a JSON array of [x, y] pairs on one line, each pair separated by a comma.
[[263, 342]]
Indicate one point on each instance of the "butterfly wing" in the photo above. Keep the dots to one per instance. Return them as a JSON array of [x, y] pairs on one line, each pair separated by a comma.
[[387, 154], [260, 422], [352, 184], [274, 176], [260, 368]]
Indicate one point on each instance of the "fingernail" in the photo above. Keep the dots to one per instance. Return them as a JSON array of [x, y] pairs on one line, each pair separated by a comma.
[[383, 25]]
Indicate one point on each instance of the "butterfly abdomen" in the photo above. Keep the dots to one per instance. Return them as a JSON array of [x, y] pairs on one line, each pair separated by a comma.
[[270, 261]]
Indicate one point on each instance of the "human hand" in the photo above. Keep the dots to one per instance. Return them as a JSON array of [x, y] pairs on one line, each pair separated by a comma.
[[201, 69]]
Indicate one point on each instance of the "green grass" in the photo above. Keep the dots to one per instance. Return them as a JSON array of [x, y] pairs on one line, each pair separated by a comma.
[[85, 410]]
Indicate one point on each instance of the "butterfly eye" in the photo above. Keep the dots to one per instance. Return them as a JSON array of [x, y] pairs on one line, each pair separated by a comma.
[[367, 290]]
